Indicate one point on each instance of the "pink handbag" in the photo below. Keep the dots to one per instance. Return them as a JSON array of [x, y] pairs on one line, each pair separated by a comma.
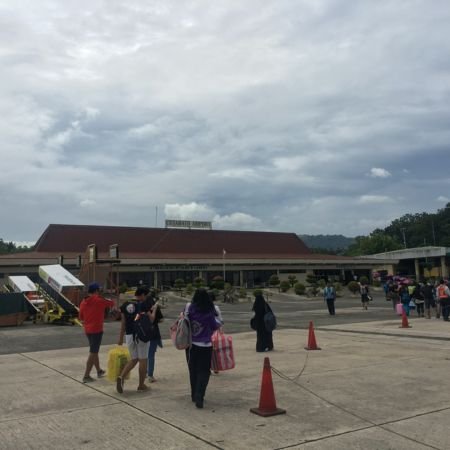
[[399, 309], [222, 354]]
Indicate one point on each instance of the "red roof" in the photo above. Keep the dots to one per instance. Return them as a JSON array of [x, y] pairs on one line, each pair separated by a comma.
[[64, 239]]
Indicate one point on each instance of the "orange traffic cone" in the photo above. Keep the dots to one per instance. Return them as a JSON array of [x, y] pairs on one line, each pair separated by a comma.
[[267, 404], [405, 323], [312, 344]]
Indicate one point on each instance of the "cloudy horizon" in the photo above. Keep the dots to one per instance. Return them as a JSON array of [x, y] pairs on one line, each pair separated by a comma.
[[313, 117]]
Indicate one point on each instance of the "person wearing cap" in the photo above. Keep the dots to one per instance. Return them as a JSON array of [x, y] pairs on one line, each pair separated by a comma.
[[92, 314]]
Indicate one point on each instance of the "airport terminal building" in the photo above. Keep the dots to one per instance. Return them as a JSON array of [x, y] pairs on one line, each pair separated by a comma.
[[114, 255]]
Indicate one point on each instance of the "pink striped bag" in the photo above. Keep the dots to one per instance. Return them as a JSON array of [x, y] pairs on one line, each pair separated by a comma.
[[222, 354]]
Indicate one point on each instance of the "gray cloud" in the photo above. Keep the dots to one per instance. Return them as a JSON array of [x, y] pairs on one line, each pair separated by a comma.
[[267, 116]]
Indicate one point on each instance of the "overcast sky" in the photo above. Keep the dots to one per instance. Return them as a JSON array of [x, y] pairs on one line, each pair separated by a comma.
[[310, 116]]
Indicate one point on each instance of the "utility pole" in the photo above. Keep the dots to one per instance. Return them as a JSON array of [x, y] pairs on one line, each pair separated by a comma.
[[434, 233], [404, 237]]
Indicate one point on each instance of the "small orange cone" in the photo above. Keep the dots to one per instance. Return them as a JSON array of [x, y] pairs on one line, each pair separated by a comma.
[[405, 323], [267, 404], [312, 344]]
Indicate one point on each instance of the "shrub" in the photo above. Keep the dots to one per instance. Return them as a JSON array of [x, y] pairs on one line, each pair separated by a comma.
[[189, 289], [199, 282], [311, 280], [322, 283], [227, 287], [299, 288], [337, 286], [257, 292], [217, 282], [364, 280], [284, 286], [312, 291], [242, 293], [377, 283], [179, 284], [123, 288], [292, 280], [274, 280], [353, 287]]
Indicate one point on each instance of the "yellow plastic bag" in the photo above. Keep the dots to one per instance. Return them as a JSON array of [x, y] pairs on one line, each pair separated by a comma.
[[117, 358]]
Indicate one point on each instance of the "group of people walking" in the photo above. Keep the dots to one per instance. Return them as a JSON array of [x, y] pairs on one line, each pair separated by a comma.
[[204, 316], [429, 299]]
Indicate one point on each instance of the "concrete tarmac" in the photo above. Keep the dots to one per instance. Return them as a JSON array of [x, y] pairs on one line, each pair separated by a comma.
[[372, 386]]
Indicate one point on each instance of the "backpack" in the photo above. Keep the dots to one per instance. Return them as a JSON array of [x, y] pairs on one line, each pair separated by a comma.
[[404, 296], [270, 321], [143, 328], [180, 331]]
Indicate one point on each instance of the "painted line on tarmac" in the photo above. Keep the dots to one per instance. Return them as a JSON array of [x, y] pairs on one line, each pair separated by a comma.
[[380, 333], [119, 400]]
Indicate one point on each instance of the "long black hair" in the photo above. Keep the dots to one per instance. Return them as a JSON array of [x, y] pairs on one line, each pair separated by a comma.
[[202, 300]]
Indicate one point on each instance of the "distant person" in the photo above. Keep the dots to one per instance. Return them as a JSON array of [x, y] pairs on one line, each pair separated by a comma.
[[419, 300], [138, 350], [443, 295], [393, 295], [364, 291], [155, 340], [92, 314], [329, 295], [430, 302], [201, 314], [405, 298], [264, 340]]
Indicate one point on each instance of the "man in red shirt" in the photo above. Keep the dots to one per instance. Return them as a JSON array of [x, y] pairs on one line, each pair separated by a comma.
[[92, 314]]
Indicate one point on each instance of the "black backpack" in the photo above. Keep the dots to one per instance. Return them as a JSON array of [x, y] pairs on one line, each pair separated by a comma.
[[143, 328]]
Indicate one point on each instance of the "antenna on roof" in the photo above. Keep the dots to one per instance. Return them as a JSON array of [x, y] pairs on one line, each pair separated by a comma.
[[156, 217]]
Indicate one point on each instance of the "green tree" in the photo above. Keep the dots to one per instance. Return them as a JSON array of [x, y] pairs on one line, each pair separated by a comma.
[[257, 292], [376, 242], [179, 284], [292, 280], [274, 280], [198, 282], [299, 288], [284, 286], [364, 280], [217, 282], [353, 287]]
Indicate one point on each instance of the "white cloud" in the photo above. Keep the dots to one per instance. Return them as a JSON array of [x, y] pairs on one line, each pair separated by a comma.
[[189, 211], [443, 198], [378, 172], [267, 114], [87, 203], [237, 220], [368, 199]]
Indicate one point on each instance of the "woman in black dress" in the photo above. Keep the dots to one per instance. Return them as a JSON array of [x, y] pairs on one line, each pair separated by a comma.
[[264, 342]]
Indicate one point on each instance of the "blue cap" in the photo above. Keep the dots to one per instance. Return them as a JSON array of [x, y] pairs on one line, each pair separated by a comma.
[[94, 287]]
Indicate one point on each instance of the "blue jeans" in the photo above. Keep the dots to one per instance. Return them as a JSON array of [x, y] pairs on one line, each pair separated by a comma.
[[406, 308], [151, 356]]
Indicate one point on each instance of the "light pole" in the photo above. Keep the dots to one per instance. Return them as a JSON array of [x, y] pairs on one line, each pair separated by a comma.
[[404, 237]]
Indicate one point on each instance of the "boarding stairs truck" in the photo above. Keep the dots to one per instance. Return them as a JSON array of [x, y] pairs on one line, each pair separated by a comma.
[[56, 287], [35, 302]]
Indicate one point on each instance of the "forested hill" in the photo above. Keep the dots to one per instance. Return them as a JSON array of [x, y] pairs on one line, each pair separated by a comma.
[[409, 231], [331, 243]]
